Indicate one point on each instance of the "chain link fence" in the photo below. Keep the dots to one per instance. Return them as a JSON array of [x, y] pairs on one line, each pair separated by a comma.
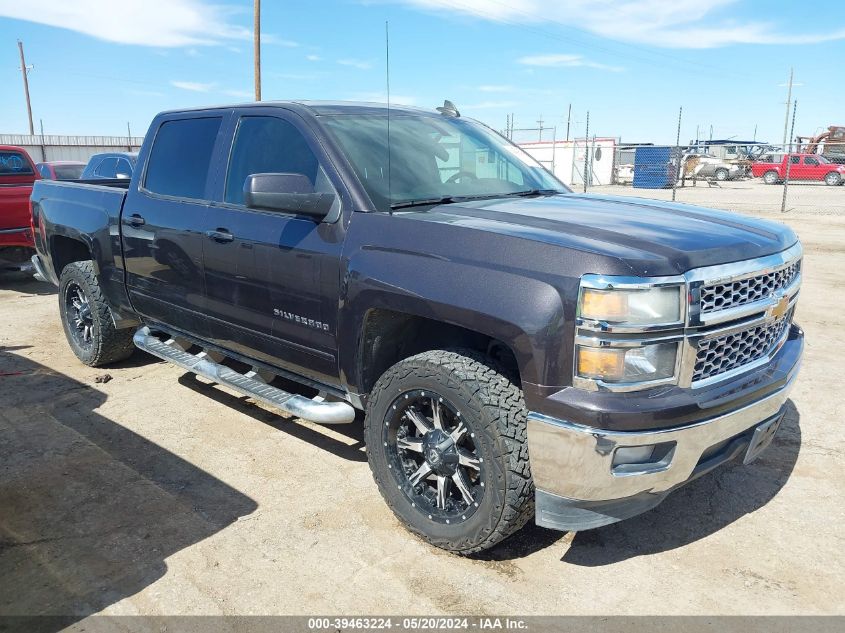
[[751, 177]]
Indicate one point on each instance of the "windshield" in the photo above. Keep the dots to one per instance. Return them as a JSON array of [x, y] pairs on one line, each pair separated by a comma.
[[823, 160], [434, 157], [68, 172]]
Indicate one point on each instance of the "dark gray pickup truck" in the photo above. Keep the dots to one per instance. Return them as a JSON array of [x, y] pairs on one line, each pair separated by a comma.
[[517, 350]]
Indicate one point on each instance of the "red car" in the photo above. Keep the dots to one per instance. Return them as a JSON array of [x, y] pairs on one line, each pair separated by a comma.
[[801, 167], [60, 170], [17, 174]]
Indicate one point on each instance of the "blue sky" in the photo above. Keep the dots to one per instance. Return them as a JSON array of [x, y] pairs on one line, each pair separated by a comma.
[[631, 63]]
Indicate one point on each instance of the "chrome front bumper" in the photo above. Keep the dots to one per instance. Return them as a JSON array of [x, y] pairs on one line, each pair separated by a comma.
[[578, 486]]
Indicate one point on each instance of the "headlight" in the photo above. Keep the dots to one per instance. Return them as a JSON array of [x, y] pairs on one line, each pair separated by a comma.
[[628, 332], [653, 306], [627, 364]]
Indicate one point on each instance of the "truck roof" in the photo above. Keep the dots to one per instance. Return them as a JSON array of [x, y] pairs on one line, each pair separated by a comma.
[[317, 108]]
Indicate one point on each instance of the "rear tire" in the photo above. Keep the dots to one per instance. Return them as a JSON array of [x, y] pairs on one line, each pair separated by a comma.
[[87, 320], [415, 411], [770, 178]]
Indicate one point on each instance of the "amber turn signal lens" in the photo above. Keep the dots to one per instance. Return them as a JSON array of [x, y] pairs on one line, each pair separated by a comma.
[[604, 363], [604, 305]]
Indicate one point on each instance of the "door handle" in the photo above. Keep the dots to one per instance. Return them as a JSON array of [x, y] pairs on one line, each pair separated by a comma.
[[134, 220], [220, 235]]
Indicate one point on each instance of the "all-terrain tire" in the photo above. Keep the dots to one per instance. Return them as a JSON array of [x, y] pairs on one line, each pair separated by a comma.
[[106, 344], [493, 408]]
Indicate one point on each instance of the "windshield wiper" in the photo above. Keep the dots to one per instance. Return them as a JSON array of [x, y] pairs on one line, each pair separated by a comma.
[[486, 196], [423, 202], [533, 192]]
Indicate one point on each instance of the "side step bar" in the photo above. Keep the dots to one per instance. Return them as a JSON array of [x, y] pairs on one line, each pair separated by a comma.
[[253, 384]]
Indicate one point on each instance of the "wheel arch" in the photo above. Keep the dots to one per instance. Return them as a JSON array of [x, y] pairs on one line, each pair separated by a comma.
[[389, 336]]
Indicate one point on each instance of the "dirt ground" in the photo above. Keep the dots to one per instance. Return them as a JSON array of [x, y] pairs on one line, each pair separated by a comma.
[[748, 195], [154, 493]]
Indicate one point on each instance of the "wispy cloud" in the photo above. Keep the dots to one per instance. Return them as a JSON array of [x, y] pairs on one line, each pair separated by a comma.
[[313, 58], [360, 64], [495, 88], [158, 23], [658, 23], [565, 61], [240, 94], [269, 38], [193, 86]]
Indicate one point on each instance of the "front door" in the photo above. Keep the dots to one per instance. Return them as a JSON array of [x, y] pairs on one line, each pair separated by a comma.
[[273, 279], [162, 224]]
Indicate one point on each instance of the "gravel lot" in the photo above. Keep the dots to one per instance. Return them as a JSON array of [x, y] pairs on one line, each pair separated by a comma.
[[154, 493], [748, 196]]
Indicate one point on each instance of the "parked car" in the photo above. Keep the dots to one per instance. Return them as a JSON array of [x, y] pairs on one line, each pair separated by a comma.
[[17, 174], [801, 167], [709, 166], [60, 170], [516, 350], [110, 165]]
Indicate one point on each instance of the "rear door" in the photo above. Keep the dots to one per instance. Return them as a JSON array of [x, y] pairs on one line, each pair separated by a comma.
[[163, 220], [797, 170], [273, 283], [17, 173]]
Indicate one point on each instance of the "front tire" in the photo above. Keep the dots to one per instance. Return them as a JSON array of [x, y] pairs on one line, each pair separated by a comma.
[[770, 178], [722, 174], [87, 320], [832, 179], [446, 442]]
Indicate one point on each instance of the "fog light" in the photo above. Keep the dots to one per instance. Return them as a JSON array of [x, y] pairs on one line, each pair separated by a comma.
[[641, 460], [633, 454]]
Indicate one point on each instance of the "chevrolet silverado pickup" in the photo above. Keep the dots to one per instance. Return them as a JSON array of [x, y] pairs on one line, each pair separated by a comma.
[[516, 350], [17, 173]]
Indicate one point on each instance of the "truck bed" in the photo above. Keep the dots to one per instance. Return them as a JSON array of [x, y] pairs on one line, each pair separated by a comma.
[[86, 212]]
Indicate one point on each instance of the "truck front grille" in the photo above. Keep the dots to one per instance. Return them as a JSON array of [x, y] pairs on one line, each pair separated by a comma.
[[720, 355], [744, 291]]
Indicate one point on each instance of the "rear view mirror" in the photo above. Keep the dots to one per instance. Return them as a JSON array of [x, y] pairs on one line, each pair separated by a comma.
[[289, 193]]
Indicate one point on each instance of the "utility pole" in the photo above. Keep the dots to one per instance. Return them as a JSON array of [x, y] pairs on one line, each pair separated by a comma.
[[540, 123], [568, 121], [257, 45], [788, 106], [25, 71], [677, 156]]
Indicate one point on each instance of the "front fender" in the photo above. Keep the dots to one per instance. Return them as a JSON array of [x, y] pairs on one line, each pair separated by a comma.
[[526, 314]]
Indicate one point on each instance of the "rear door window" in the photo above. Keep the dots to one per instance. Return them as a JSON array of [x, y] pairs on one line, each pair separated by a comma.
[[14, 164], [124, 168], [179, 161], [107, 168]]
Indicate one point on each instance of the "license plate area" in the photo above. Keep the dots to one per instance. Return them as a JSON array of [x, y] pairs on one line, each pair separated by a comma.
[[761, 438]]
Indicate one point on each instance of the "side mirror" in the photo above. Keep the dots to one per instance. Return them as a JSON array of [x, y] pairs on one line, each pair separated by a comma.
[[290, 193]]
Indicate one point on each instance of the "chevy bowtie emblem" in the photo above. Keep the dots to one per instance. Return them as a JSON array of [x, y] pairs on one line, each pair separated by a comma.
[[779, 309]]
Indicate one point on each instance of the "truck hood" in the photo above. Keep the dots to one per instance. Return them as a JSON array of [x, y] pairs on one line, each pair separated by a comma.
[[649, 236]]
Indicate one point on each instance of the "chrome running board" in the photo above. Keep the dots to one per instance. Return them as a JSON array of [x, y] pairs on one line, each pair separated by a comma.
[[253, 384]]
